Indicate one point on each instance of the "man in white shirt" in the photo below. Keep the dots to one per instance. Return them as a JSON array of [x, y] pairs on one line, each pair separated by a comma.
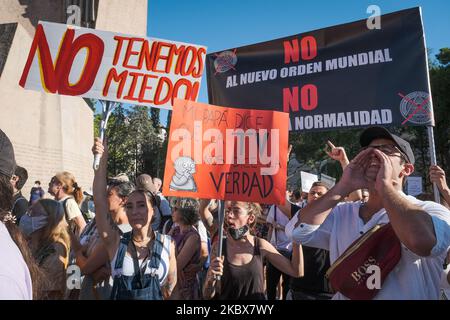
[[277, 220], [423, 228]]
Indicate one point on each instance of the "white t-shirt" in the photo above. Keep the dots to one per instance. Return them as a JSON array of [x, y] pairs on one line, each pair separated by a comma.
[[414, 277], [72, 209], [128, 266], [279, 239], [202, 231], [15, 280]]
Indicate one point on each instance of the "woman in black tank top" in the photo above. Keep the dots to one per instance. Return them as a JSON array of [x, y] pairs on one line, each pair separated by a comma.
[[241, 266]]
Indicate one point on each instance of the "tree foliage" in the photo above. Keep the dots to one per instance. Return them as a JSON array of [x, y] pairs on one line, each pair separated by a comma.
[[134, 141]]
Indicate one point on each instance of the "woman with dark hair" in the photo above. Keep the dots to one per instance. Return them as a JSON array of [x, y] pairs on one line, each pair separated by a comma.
[[20, 276], [45, 226], [65, 189], [188, 247], [143, 261]]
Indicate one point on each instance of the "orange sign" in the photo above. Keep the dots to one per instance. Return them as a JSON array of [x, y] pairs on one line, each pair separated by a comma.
[[226, 153]]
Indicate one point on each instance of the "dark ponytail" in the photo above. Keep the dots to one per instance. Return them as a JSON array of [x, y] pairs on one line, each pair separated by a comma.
[[77, 193]]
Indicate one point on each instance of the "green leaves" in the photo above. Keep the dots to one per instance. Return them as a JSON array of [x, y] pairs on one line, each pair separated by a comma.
[[135, 142]]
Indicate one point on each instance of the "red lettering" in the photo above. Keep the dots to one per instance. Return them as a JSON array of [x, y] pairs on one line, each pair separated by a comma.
[[291, 51], [290, 99], [198, 72], [178, 52], [159, 88], [191, 89], [95, 48], [168, 58], [145, 87], [56, 79], [118, 48], [184, 63], [309, 97], [148, 55], [130, 53], [49, 72], [309, 48], [130, 95]]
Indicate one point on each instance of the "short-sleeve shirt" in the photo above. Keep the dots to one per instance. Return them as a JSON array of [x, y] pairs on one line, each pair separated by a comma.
[[71, 211], [279, 239]]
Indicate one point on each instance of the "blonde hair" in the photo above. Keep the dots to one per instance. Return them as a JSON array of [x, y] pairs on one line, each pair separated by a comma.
[[56, 229], [70, 186]]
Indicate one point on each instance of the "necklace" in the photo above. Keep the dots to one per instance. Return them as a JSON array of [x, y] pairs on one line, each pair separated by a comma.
[[142, 243]]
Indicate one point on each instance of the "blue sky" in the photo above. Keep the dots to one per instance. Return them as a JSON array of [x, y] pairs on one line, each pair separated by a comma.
[[227, 24]]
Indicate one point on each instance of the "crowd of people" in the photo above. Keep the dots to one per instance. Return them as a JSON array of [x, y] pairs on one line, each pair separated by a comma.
[[141, 246]]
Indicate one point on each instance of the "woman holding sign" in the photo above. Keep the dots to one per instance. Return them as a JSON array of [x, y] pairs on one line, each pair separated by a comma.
[[241, 266], [143, 261]]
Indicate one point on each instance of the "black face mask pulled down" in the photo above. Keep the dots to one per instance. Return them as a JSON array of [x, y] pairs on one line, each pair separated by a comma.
[[238, 233]]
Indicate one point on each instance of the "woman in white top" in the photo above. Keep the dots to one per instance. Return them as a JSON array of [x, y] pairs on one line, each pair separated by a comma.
[[66, 190], [143, 261]]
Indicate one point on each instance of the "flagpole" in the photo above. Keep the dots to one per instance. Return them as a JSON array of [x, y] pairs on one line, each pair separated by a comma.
[[107, 109], [437, 197]]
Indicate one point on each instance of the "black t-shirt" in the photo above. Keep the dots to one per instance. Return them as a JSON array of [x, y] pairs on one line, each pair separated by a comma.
[[316, 263], [20, 206]]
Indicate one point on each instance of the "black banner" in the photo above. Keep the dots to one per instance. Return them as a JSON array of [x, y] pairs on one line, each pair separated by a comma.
[[338, 77]]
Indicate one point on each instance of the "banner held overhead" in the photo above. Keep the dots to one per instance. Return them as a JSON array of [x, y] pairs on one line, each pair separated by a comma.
[[345, 76], [226, 153], [110, 66]]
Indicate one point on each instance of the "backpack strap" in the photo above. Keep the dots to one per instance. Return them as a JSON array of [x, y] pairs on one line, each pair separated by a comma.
[[17, 200], [65, 208], [122, 250]]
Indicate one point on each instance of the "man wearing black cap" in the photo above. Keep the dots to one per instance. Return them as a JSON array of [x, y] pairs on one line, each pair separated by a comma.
[[423, 228], [15, 279]]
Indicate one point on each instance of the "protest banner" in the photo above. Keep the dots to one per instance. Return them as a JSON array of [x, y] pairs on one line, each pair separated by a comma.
[[111, 66], [307, 180], [414, 186], [226, 153], [344, 76], [328, 180]]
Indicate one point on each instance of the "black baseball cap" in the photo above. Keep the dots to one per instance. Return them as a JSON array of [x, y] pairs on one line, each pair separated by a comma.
[[7, 160], [372, 133]]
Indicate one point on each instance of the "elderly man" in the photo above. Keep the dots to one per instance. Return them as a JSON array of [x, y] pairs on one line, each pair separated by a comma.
[[423, 228]]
